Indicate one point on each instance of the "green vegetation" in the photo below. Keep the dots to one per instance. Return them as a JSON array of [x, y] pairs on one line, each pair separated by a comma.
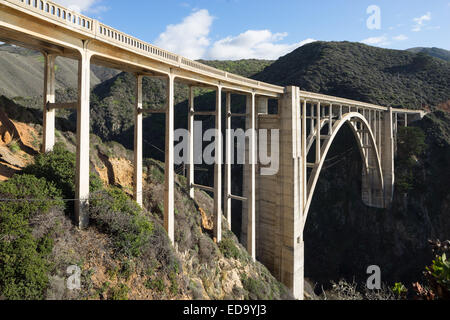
[[400, 290], [259, 288], [411, 145], [23, 264], [155, 284], [245, 67], [14, 146], [440, 273], [59, 167], [437, 274], [229, 249], [114, 213], [120, 292]]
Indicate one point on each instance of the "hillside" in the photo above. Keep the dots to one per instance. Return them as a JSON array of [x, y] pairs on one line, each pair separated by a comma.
[[23, 72], [353, 70], [245, 67], [434, 52], [125, 253]]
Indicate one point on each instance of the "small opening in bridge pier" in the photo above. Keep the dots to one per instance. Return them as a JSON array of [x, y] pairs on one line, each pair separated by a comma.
[[273, 106]]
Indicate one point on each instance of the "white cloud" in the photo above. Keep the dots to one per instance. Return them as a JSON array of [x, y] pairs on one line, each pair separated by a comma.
[[420, 22], [82, 5], [253, 44], [400, 37], [376, 41], [188, 38]]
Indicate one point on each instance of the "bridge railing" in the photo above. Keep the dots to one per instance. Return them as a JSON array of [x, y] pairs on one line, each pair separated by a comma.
[[110, 34], [316, 97], [57, 12]]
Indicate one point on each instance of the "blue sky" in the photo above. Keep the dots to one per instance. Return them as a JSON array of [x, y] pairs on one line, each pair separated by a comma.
[[235, 29]]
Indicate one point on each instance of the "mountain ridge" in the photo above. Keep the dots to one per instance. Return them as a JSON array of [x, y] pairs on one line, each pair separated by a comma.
[[434, 52], [357, 71]]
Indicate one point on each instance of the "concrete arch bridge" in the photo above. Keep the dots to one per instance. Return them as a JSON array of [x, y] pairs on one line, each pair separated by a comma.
[[275, 207]]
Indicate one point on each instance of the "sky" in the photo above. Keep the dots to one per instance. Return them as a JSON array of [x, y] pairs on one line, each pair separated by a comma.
[[268, 29]]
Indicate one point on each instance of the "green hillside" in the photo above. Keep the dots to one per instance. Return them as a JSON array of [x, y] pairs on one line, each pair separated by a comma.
[[353, 70], [245, 67]]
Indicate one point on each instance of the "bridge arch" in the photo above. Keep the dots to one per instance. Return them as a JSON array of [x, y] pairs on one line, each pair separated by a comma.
[[369, 153]]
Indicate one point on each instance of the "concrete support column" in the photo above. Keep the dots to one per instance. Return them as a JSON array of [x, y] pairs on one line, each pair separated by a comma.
[[169, 191], [191, 164], [291, 256], [330, 120], [218, 168], [83, 118], [318, 142], [379, 123], [251, 182], [49, 97], [304, 161], [387, 157], [395, 129], [228, 160], [138, 151]]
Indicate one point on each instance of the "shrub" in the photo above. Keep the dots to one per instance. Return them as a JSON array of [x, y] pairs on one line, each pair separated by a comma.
[[114, 213], [400, 290], [155, 284], [438, 275], [257, 289], [229, 249], [14, 146], [58, 167], [23, 265], [120, 292], [28, 195], [23, 269]]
